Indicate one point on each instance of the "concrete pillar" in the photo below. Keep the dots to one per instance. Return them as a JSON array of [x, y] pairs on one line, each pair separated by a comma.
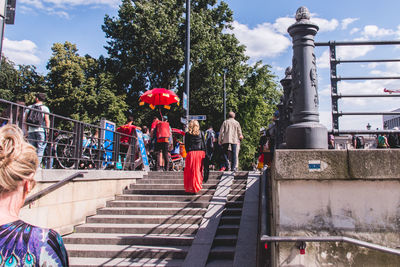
[[285, 107], [306, 132]]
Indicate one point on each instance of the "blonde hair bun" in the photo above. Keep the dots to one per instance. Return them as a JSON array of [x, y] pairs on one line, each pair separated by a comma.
[[18, 159]]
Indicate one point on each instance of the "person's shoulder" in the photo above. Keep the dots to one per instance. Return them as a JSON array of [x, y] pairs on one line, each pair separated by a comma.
[[45, 108]]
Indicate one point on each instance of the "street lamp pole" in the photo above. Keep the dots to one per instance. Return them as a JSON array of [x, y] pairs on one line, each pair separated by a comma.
[[187, 59], [224, 94]]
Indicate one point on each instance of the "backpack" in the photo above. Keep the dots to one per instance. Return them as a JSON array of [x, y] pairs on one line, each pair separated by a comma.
[[210, 136], [359, 142], [35, 116], [163, 130]]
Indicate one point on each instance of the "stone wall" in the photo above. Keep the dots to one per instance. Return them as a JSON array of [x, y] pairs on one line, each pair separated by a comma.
[[353, 193], [70, 204]]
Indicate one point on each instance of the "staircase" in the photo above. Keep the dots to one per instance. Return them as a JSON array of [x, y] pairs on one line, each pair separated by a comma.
[[224, 246], [153, 223]]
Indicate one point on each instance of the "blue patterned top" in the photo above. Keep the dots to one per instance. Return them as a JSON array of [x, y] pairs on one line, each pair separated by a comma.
[[22, 244]]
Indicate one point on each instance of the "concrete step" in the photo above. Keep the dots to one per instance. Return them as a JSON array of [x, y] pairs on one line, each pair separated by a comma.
[[129, 239], [235, 197], [146, 219], [126, 251], [184, 198], [237, 192], [119, 228], [161, 204], [235, 204], [228, 229], [171, 187], [151, 211], [124, 262], [230, 220], [219, 263], [177, 174], [169, 181], [174, 191], [232, 212], [222, 252], [225, 240]]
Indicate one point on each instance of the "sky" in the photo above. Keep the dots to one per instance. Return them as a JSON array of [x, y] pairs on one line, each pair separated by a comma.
[[260, 25]]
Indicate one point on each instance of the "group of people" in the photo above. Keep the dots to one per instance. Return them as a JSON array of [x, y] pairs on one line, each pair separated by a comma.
[[200, 149]]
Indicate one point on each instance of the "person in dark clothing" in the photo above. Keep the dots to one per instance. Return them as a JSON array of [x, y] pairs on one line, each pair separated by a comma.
[[210, 140]]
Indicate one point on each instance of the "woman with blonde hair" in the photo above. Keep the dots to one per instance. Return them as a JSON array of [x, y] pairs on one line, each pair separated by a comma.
[[195, 147], [22, 244]]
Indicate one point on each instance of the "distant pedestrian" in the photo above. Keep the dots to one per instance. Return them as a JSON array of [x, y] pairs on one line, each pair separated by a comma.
[[358, 141], [210, 140], [163, 133], [195, 147], [37, 122], [393, 139], [331, 141], [382, 141], [229, 136]]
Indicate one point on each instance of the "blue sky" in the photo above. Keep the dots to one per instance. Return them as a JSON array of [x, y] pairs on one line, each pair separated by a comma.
[[259, 24]]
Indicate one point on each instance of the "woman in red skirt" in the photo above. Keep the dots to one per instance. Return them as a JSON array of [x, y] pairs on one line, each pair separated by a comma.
[[195, 147]]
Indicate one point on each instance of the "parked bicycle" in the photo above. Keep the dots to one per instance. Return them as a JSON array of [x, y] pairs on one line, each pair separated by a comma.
[[92, 156]]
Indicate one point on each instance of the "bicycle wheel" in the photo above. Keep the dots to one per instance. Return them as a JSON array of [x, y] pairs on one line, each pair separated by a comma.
[[64, 151]]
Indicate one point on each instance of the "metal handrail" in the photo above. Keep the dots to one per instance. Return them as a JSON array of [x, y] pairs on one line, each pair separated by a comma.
[[345, 239], [51, 188], [357, 43]]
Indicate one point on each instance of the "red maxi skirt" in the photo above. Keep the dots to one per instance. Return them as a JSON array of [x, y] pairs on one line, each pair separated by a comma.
[[193, 173]]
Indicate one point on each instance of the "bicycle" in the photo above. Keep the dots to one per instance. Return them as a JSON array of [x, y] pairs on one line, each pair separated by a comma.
[[91, 156]]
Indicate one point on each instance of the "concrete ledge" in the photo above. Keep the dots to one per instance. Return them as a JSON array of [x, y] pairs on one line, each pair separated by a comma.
[[374, 163], [294, 164], [43, 175], [70, 204], [336, 164]]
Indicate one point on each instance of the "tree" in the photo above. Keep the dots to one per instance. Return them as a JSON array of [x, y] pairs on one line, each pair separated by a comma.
[[146, 44], [19, 82], [80, 89]]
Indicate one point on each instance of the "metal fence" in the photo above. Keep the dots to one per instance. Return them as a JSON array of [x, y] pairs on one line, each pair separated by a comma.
[[335, 78], [72, 144]]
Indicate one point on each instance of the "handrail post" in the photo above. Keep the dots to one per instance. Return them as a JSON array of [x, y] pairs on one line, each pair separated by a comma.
[[77, 143]]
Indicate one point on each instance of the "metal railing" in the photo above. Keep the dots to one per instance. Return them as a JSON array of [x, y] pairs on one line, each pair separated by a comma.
[[342, 239], [335, 79], [72, 144], [51, 188]]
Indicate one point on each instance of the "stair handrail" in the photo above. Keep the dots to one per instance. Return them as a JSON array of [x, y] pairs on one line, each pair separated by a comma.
[[354, 241], [53, 187]]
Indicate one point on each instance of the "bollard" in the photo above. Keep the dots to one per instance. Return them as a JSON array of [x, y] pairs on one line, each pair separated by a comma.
[[306, 132]]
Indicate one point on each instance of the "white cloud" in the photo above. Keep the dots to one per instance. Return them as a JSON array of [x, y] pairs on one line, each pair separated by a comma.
[[59, 7], [282, 24], [21, 52], [345, 53], [354, 30], [375, 32], [262, 41], [346, 22], [352, 52], [325, 25]]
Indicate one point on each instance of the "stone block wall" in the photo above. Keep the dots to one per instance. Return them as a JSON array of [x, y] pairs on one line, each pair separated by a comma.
[[353, 193]]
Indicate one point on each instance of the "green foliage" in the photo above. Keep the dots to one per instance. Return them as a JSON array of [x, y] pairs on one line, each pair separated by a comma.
[[80, 89], [146, 44]]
